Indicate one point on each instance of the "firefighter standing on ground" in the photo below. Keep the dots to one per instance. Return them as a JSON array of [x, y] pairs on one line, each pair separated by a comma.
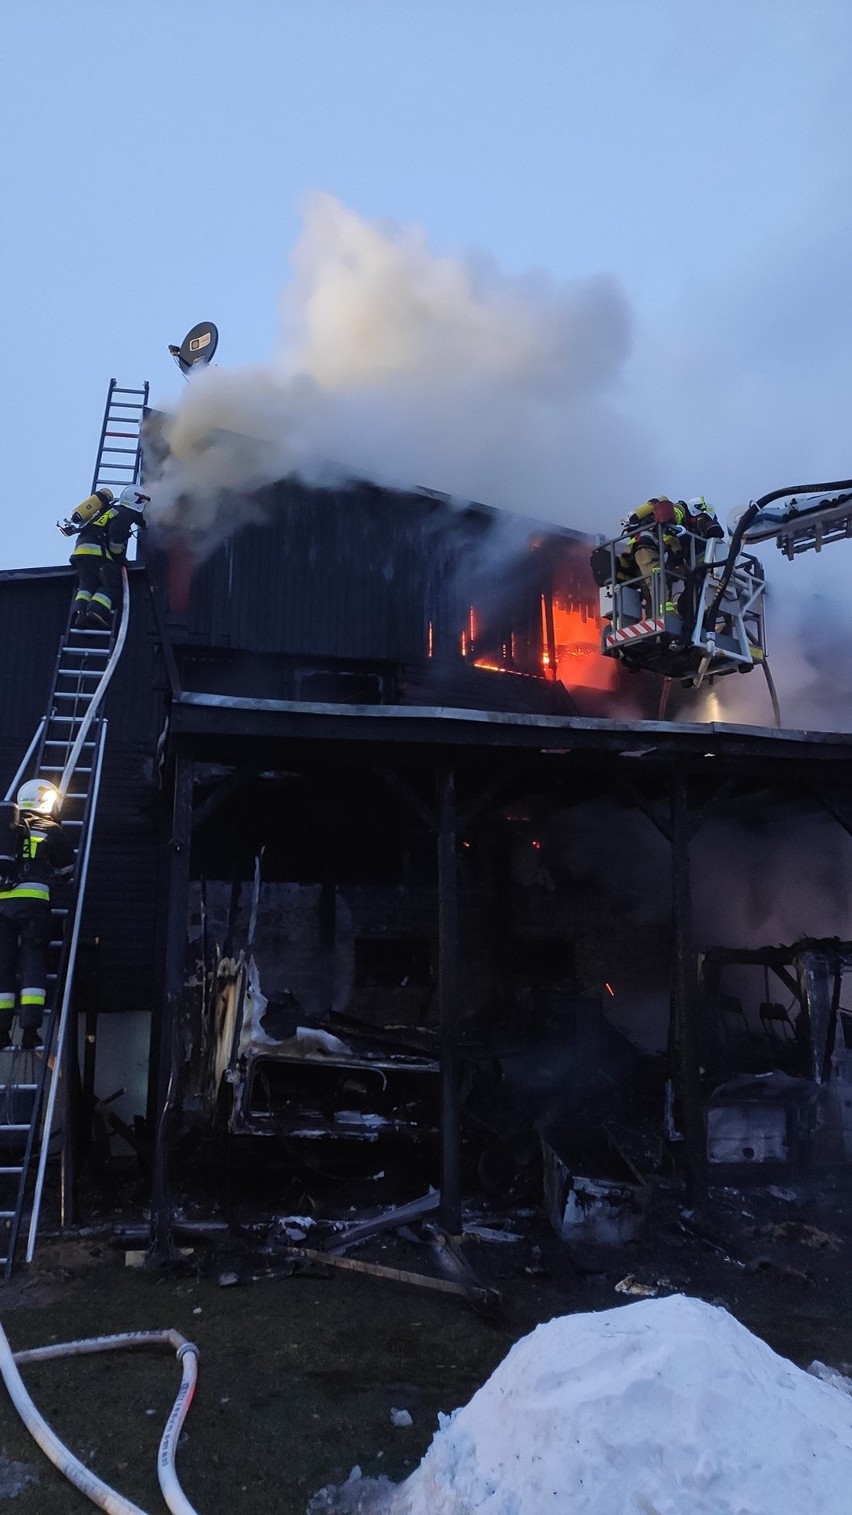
[[43, 853], [102, 525]]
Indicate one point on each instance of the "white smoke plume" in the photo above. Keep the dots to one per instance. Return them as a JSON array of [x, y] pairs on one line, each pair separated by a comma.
[[416, 369], [413, 368]]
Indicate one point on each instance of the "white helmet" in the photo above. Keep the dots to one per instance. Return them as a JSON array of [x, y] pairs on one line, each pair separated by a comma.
[[700, 504], [134, 497], [38, 795]]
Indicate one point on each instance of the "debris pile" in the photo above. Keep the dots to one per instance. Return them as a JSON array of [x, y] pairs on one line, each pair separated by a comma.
[[666, 1405]]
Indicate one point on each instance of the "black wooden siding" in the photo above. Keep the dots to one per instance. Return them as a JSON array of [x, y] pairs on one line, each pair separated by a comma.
[[360, 574], [121, 896]]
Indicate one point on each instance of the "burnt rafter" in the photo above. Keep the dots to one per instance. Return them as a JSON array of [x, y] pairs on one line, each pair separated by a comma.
[[842, 814], [486, 797], [777, 957], [786, 978], [721, 792], [466, 814], [697, 815], [646, 806], [228, 786], [404, 792]]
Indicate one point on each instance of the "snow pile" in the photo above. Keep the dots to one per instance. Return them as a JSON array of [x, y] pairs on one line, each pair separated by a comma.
[[665, 1407]]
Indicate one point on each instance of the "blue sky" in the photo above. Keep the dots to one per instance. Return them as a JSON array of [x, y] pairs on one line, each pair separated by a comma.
[[156, 161]]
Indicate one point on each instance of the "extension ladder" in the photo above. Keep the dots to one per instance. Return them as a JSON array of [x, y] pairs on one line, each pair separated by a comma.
[[120, 448], [67, 751]]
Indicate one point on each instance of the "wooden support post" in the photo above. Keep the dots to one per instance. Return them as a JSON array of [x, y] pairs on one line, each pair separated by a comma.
[[684, 1027], [448, 996], [550, 633], [175, 971]]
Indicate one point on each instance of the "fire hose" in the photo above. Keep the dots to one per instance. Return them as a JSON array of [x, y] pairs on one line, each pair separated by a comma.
[[75, 1471]]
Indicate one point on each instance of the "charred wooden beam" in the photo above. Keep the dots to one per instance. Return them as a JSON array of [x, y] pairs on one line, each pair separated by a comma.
[[400, 1215], [224, 790], [842, 816], [477, 1292], [662, 825], [722, 792], [448, 998], [486, 797], [175, 972], [685, 994], [407, 795], [777, 958]]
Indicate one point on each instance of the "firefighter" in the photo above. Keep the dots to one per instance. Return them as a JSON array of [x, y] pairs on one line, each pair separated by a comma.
[[641, 556], [702, 518], [44, 853], [703, 526], [102, 526], [642, 553]]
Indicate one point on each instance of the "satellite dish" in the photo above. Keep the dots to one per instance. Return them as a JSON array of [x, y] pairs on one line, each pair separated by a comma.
[[197, 348]]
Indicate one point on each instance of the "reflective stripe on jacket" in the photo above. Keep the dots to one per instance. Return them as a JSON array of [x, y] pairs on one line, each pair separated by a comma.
[[45, 853], [107, 535]]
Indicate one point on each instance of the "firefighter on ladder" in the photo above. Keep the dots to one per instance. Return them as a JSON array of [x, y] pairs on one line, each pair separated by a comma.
[[102, 525], [40, 852]]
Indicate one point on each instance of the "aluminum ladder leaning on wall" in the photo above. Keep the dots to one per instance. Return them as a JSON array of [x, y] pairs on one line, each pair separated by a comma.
[[120, 448], [67, 750]]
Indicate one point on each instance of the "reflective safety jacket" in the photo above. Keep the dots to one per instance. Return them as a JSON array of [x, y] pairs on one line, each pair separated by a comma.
[[106, 534], [44, 853]]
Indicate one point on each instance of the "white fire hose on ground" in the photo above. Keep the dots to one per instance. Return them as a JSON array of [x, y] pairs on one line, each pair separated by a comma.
[[98, 1492]]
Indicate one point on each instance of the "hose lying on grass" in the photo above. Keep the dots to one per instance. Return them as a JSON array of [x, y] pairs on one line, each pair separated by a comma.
[[98, 1492]]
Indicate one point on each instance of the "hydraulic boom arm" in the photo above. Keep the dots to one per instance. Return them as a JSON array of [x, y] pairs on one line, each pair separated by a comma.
[[804, 517]]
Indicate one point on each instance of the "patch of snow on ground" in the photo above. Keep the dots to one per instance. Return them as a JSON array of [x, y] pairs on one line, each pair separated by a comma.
[[664, 1407]]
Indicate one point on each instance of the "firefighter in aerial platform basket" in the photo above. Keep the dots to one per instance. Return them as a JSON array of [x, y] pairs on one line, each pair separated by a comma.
[[102, 525], [34, 850], [641, 555], [702, 525]]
